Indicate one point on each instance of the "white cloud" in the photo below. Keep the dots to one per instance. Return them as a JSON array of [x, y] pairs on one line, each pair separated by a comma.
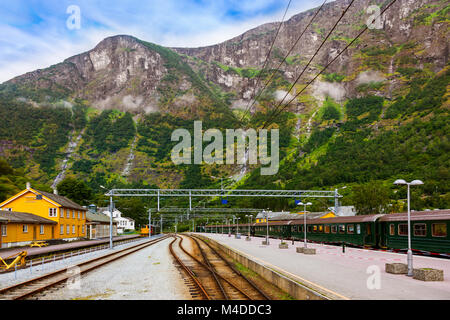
[[169, 23]]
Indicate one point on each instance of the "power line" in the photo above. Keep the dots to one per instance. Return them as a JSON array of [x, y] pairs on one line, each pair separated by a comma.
[[258, 80], [284, 59], [310, 60], [275, 114]]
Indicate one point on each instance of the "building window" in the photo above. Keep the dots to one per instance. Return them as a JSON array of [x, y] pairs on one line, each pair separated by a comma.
[[342, 228], [52, 212], [61, 229], [41, 229], [420, 229], [78, 215], [67, 213], [61, 212], [403, 229], [439, 230], [25, 228], [7, 209], [392, 229], [82, 229], [68, 229], [73, 229], [4, 229], [350, 229], [73, 214]]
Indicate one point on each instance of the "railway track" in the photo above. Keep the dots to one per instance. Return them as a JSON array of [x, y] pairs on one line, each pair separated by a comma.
[[39, 284], [211, 277]]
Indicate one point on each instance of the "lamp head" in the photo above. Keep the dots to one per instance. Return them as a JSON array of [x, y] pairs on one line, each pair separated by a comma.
[[400, 181], [309, 204], [416, 182]]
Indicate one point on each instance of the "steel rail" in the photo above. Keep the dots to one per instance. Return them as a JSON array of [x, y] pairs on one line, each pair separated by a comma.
[[223, 278], [262, 293], [61, 275], [187, 270]]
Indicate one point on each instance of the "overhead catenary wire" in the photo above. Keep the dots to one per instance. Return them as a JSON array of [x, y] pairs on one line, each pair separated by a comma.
[[276, 113], [258, 79], [310, 60], [283, 61]]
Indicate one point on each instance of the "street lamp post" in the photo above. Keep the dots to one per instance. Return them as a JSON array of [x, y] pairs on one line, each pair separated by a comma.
[[249, 217], [237, 226], [304, 220], [409, 257], [266, 213]]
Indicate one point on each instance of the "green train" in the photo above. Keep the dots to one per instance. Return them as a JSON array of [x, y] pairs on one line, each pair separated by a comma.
[[429, 231]]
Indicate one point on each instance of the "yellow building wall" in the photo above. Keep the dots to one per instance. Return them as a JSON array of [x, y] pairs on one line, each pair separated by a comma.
[[14, 233], [27, 203]]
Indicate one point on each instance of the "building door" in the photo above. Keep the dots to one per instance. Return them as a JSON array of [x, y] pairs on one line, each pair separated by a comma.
[[53, 232], [34, 232]]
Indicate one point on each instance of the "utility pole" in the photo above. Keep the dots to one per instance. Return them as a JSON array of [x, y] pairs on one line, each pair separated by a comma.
[[149, 223], [111, 220]]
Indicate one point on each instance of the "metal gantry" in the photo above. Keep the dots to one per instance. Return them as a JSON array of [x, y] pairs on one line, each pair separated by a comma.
[[221, 193]]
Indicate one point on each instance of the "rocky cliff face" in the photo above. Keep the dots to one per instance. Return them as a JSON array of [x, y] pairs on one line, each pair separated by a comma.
[[168, 87], [124, 73]]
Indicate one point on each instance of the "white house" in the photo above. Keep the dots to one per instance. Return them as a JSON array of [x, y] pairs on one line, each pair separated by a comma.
[[123, 223]]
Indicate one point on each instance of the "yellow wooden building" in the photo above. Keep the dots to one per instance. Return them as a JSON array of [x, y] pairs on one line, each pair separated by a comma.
[[70, 217], [21, 228]]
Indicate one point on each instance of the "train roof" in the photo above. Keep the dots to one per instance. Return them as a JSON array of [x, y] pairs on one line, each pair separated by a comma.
[[418, 216], [415, 216]]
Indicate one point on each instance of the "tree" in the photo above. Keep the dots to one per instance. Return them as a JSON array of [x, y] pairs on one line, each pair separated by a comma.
[[371, 198], [76, 190]]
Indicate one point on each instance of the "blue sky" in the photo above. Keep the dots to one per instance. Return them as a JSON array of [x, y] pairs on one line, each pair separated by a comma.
[[34, 34]]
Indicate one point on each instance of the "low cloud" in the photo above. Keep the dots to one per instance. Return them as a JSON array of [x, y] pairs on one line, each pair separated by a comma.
[[369, 76], [334, 90]]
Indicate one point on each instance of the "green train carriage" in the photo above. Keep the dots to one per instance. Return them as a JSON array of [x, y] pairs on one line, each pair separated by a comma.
[[429, 231], [355, 230]]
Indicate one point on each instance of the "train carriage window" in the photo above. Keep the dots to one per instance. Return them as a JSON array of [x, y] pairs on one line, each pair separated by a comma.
[[439, 230], [358, 229], [392, 229], [327, 229], [342, 228], [321, 229], [403, 229], [309, 228], [333, 229], [350, 229], [315, 229], [420, 229]]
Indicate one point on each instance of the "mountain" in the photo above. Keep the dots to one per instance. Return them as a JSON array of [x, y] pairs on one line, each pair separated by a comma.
[[378, 112]]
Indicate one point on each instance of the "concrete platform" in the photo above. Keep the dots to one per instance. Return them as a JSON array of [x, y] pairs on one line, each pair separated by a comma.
[[356, 274]]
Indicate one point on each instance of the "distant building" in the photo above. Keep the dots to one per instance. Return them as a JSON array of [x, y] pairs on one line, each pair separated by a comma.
[[98, 225], [69, 216], [344, 211], [284, 215], [123, 223]]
